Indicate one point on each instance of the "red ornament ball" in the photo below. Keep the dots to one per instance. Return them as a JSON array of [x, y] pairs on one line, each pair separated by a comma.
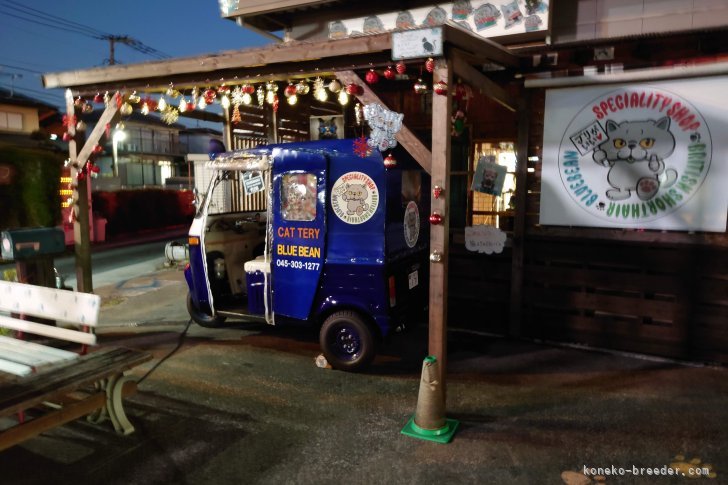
[[67, 137], [390, 162], [353, 89], [420, 87], [98, 99], [248, 88], [290, 90], [210, 96], [372, 77], [440, 88], [98, 149], [401, 67], [435, 219], [430, 64], [389, 73]]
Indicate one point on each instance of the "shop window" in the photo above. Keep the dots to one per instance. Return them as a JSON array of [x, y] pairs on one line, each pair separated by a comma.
[[484, 208], [298, 197]]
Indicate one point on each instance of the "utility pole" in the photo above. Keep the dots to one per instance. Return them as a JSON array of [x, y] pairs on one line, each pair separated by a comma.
[[113, 39]]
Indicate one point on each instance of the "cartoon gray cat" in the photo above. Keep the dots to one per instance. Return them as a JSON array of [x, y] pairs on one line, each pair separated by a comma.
[[355, 197], [635, 152]]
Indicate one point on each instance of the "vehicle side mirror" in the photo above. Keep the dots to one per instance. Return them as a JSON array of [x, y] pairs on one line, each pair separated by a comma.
[[196, 197]]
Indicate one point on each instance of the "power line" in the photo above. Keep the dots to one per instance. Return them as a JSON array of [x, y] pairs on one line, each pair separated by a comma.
[[49, 17], [77, 28], [20, 68], [35, 93]]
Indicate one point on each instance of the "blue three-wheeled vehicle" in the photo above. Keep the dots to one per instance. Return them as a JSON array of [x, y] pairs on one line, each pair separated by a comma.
[[314, 232]]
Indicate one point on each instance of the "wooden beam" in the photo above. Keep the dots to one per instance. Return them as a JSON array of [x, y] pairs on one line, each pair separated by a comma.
[[93, 139], [484, 49], [480, 82], [34, 427], [405, 137], [293, 52], [269, 6], [440, 234]]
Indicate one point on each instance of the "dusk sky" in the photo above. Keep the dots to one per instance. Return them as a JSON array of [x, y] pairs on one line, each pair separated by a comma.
[[58, 36]]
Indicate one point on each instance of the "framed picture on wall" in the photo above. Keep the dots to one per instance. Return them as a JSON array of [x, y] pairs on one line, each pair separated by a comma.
[[327, 127]]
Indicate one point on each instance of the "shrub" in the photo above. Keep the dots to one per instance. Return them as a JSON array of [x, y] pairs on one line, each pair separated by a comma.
[[32, 200]]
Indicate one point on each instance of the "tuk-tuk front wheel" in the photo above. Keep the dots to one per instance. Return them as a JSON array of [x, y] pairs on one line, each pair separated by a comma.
[[347, 341], [201, 318]]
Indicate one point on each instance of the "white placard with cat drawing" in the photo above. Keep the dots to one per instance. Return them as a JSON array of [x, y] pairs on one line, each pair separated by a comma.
[[649, 156]]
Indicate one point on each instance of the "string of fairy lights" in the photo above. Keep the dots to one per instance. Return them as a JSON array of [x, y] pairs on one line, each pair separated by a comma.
[[173, 102]]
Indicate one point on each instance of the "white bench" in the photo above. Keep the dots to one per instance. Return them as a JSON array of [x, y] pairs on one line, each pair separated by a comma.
[[37, 375]]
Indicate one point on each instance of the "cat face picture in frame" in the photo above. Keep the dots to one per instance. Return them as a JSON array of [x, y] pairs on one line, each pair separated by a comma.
[[327, 127]]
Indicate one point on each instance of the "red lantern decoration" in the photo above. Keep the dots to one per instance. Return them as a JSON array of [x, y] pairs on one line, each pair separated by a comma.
[[389, 73], [248, 88], [440, 88], [390, 162], [353, 89], [401, 67], [372, 77], [430, 64], [435, 219]]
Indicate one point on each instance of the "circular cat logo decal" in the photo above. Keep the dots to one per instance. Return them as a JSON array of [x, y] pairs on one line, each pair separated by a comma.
[[354, 197], [411, 224], [635, 155]]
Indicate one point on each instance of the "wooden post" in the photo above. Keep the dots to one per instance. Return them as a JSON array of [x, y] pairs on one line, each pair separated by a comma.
[[440, 234], [519, 222], [82, 189], [80, 209]]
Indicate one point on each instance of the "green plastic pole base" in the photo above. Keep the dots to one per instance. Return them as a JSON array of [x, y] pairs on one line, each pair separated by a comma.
[[443, 435]]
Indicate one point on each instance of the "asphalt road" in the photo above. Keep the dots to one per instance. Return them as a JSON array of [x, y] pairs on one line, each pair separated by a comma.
[[115, 265], [112, 266]]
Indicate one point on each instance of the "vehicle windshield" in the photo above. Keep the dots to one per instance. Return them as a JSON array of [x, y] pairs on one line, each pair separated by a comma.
[[235, 191]]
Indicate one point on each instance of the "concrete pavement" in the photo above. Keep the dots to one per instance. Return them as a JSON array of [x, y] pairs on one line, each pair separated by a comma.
[[248, 405]]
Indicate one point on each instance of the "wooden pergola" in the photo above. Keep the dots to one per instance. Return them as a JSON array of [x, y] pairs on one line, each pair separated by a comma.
[[463, 51]]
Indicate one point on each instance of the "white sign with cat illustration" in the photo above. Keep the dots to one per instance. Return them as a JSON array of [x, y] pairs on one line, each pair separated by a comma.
[[354, 197], [638, 156]]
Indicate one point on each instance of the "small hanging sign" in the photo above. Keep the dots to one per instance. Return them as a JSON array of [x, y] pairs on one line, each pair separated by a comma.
[[253, 182], [412, 44], [489, 176], [484, 239]]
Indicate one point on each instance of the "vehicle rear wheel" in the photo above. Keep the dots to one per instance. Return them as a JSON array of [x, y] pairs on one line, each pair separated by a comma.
[[347, 341], [201, 318]]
